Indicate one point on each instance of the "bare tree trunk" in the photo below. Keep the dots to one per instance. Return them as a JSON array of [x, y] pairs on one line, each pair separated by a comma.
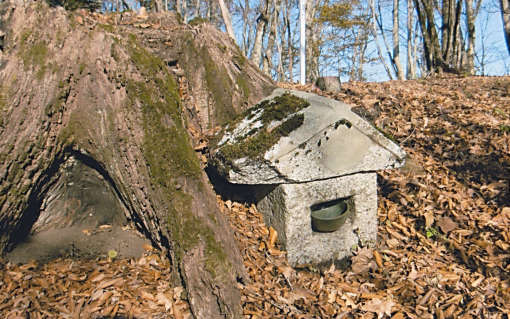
[[268, 57], [256, 53], [290, 52], [470, 17], [209, 10], [246, 28], [197, 9], [411, 73], [185, 10], [227, 20], [396, 50], [313, 31], [432, 50], [505, 15], [447, 30], [374, 33], [178, 6]]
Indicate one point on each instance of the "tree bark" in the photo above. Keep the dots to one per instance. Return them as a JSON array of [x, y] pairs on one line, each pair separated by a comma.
[[411, 73], [396, 47], [313, 32], [470, 19], [432, 49], [374, 33], [118, 125], [227, 20], [290, 51], [505, 15], [262, 20], [268, 57]]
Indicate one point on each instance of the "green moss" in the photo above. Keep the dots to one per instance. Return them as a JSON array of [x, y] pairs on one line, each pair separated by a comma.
[[281, 106], [107, 27], [239, 57], [387, 135], [255, 146], [132, 38], [222, 48], [33, 54], [219, 84], [244, 86], [40, 74], [215, 256], [197, 21], [170, 157], [148, 64], [81, 67], [3, 98], [22, 119], [25, 35], [113, 51], [257, 141]]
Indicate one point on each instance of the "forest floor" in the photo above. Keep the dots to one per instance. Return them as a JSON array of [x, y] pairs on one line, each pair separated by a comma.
[[444, 229]]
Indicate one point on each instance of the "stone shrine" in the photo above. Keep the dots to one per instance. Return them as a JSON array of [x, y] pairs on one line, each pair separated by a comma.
[[318, 161]]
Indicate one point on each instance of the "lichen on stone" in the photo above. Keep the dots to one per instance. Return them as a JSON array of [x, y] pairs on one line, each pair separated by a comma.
[[259, 128]]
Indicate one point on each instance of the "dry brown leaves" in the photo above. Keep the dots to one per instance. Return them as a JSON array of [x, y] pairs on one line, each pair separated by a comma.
[[66, 288], [444, 234], [444, 219]]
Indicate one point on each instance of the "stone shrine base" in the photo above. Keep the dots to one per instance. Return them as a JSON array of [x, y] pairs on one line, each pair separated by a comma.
[[288, 207]]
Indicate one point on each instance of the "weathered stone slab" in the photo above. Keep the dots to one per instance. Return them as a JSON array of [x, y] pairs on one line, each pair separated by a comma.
[[331, 142]]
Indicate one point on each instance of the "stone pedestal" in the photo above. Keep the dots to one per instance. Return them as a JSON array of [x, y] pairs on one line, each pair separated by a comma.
[[288, 207]]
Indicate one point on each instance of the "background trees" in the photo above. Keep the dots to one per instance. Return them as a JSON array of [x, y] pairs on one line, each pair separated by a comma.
[[356, 39]]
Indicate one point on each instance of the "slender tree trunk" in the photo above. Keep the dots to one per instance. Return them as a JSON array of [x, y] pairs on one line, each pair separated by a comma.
[[256, 53], [185, 10], [470, 17], [410, 61], [396, 47], [268, 56], [447, 29], [457, 40], [209, 10], [313, 31], [376, 39], [505, 15], [178, 6], [197, 9], [246, 28], [432, 49], [290, 51], [227, 20]]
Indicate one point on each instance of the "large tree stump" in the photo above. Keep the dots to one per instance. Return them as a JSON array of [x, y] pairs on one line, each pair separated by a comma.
[[107, 96]]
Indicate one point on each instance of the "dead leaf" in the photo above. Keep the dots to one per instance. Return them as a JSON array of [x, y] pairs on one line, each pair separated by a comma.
[[273, 234], [429, 219], [447, 224], [379, 306]]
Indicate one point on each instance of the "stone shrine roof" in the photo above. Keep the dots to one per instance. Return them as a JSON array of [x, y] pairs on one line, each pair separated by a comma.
[[332, 141]]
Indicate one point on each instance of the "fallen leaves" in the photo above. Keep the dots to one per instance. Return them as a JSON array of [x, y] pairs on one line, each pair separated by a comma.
[[444, 234], [444, 229], [67, 288]]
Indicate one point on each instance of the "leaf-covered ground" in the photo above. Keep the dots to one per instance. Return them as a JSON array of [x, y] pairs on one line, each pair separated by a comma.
[[444, 229], [444, 220]]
